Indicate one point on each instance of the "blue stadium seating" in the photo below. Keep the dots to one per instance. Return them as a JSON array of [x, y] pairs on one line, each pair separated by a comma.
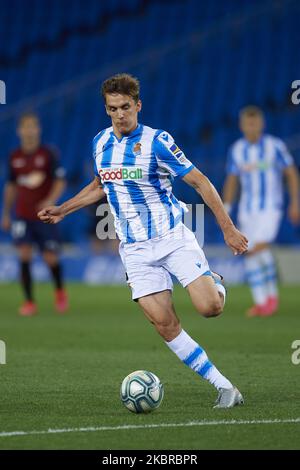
[[198, 62]]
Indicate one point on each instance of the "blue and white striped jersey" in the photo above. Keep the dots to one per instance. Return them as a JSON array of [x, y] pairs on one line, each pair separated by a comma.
[[136, 172], [259, 166]]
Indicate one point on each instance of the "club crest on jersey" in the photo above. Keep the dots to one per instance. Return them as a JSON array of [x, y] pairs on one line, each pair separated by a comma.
[[39, 160], [137, 149]]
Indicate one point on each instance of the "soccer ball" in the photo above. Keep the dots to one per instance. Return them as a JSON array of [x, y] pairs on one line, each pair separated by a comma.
[[141, 391]]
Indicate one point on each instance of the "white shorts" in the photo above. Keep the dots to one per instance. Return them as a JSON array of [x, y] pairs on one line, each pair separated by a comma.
[[149, 264], [260, 227]]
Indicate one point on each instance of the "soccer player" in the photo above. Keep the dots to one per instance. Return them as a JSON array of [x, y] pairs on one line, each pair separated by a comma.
[[35, 179], [134, 165], [259, 161]]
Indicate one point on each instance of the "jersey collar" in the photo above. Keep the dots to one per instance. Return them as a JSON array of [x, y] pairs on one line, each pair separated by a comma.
[[136, 131], [258, 142]]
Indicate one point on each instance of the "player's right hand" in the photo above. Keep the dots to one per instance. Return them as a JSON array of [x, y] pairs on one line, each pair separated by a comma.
[[51, 215], [5, 223]]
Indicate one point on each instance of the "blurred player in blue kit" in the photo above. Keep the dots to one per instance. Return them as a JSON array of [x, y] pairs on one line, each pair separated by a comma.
[[133, 166], [259, 161]]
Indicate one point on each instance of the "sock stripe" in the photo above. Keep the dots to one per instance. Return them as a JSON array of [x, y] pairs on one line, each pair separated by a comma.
[[270, 270], [270, 265], [189, 359], [193, 356], [271, 277], [207, 273], [256, 279], [204, 368], [254, 272], [257, 283]]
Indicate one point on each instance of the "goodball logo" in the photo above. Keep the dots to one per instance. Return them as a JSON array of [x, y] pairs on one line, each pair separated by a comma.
[[117, 174]]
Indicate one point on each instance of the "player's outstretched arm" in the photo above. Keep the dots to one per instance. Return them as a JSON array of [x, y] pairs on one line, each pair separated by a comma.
[[236, 241], [92, 193]]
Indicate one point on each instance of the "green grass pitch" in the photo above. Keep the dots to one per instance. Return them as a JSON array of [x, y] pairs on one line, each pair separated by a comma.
[[65, 372]]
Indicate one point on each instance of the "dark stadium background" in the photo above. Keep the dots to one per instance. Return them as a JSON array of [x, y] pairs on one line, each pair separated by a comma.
[[198, 62]]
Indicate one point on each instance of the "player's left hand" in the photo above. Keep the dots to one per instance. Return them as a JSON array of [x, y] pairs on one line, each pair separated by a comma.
[[294, 213], [51, 215], [236, 241]]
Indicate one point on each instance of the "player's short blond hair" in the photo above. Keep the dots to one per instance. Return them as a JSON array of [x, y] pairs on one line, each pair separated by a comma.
[[122, 83], [251, 111]]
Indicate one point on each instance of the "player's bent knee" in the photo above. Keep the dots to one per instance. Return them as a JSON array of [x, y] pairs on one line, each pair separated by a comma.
[[25, 254], [212, 314], [50, 258], [211, 309]]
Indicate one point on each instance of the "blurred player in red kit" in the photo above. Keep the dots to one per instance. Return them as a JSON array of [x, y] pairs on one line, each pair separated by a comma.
[[35, 179]]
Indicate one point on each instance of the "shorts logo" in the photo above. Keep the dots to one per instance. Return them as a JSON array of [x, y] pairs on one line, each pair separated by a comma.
[[137, 148], [199, 265], [118, 174]]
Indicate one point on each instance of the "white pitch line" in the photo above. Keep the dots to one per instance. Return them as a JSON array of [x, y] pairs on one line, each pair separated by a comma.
[[151, 426]]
